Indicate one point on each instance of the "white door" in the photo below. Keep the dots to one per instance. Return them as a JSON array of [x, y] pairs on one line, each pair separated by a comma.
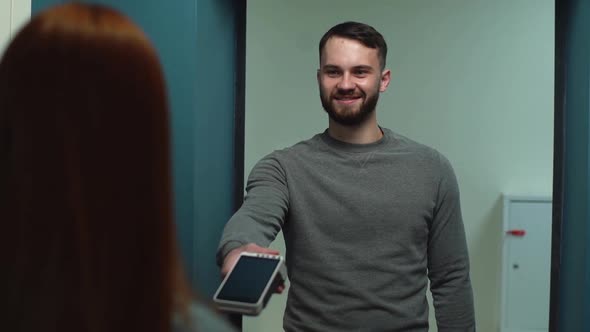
[[4, 23], [13, 14], [527, 264]]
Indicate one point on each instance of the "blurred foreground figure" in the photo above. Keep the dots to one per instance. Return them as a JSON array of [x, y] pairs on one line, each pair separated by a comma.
[[88, 240]]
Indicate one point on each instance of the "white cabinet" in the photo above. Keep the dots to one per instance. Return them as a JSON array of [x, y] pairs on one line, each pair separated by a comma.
[[526, 264], [13, 14]]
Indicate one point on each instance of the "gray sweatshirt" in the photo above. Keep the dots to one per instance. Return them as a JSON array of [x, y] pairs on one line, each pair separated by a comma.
[[365, 227]]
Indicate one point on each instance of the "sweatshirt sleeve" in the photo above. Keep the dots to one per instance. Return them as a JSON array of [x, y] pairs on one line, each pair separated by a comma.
[[263, 211], [448, 260]]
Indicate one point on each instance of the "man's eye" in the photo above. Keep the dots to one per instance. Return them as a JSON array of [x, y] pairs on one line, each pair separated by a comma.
[[361, 72], [332, 72]]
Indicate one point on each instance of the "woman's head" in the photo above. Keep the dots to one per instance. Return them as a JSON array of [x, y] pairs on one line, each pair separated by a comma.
[[85, 192]]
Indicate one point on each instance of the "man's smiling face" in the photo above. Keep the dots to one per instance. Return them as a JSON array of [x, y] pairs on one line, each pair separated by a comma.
[[350, 79]]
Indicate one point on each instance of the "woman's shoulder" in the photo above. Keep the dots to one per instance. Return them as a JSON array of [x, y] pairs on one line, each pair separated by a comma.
[[201, 319]]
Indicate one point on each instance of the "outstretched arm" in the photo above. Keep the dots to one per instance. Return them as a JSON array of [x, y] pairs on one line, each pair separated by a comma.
[[263, 212]]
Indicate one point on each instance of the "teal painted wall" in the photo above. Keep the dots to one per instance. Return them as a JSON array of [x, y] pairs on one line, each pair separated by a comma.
[[574, 303], [213, 132], [196, 43]]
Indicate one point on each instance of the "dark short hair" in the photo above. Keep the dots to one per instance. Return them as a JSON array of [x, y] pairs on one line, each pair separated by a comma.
[[363, 33]]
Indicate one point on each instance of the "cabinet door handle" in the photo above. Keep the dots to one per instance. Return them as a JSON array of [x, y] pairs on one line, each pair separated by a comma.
[[516, 232]]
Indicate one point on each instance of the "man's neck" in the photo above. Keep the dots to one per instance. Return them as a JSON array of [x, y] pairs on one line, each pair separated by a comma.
[[365, 133]]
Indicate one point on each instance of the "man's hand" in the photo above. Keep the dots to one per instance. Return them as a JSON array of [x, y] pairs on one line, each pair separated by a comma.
[[232, 257]]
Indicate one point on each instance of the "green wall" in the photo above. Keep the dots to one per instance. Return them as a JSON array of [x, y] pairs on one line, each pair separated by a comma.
[[473, 79]]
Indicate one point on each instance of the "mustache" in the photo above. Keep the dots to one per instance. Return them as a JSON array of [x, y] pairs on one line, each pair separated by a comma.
[[348, 94]]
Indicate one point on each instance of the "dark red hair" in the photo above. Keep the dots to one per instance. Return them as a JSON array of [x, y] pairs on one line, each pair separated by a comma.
[[88, 240]]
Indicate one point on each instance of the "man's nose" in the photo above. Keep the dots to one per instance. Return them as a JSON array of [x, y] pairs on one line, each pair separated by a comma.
[[346, 83]]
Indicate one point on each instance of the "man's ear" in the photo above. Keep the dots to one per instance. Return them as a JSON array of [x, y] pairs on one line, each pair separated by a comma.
[[318, 75], [385, 79]]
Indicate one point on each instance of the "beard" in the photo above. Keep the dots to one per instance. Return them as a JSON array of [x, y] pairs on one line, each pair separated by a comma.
[[349, 116]]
